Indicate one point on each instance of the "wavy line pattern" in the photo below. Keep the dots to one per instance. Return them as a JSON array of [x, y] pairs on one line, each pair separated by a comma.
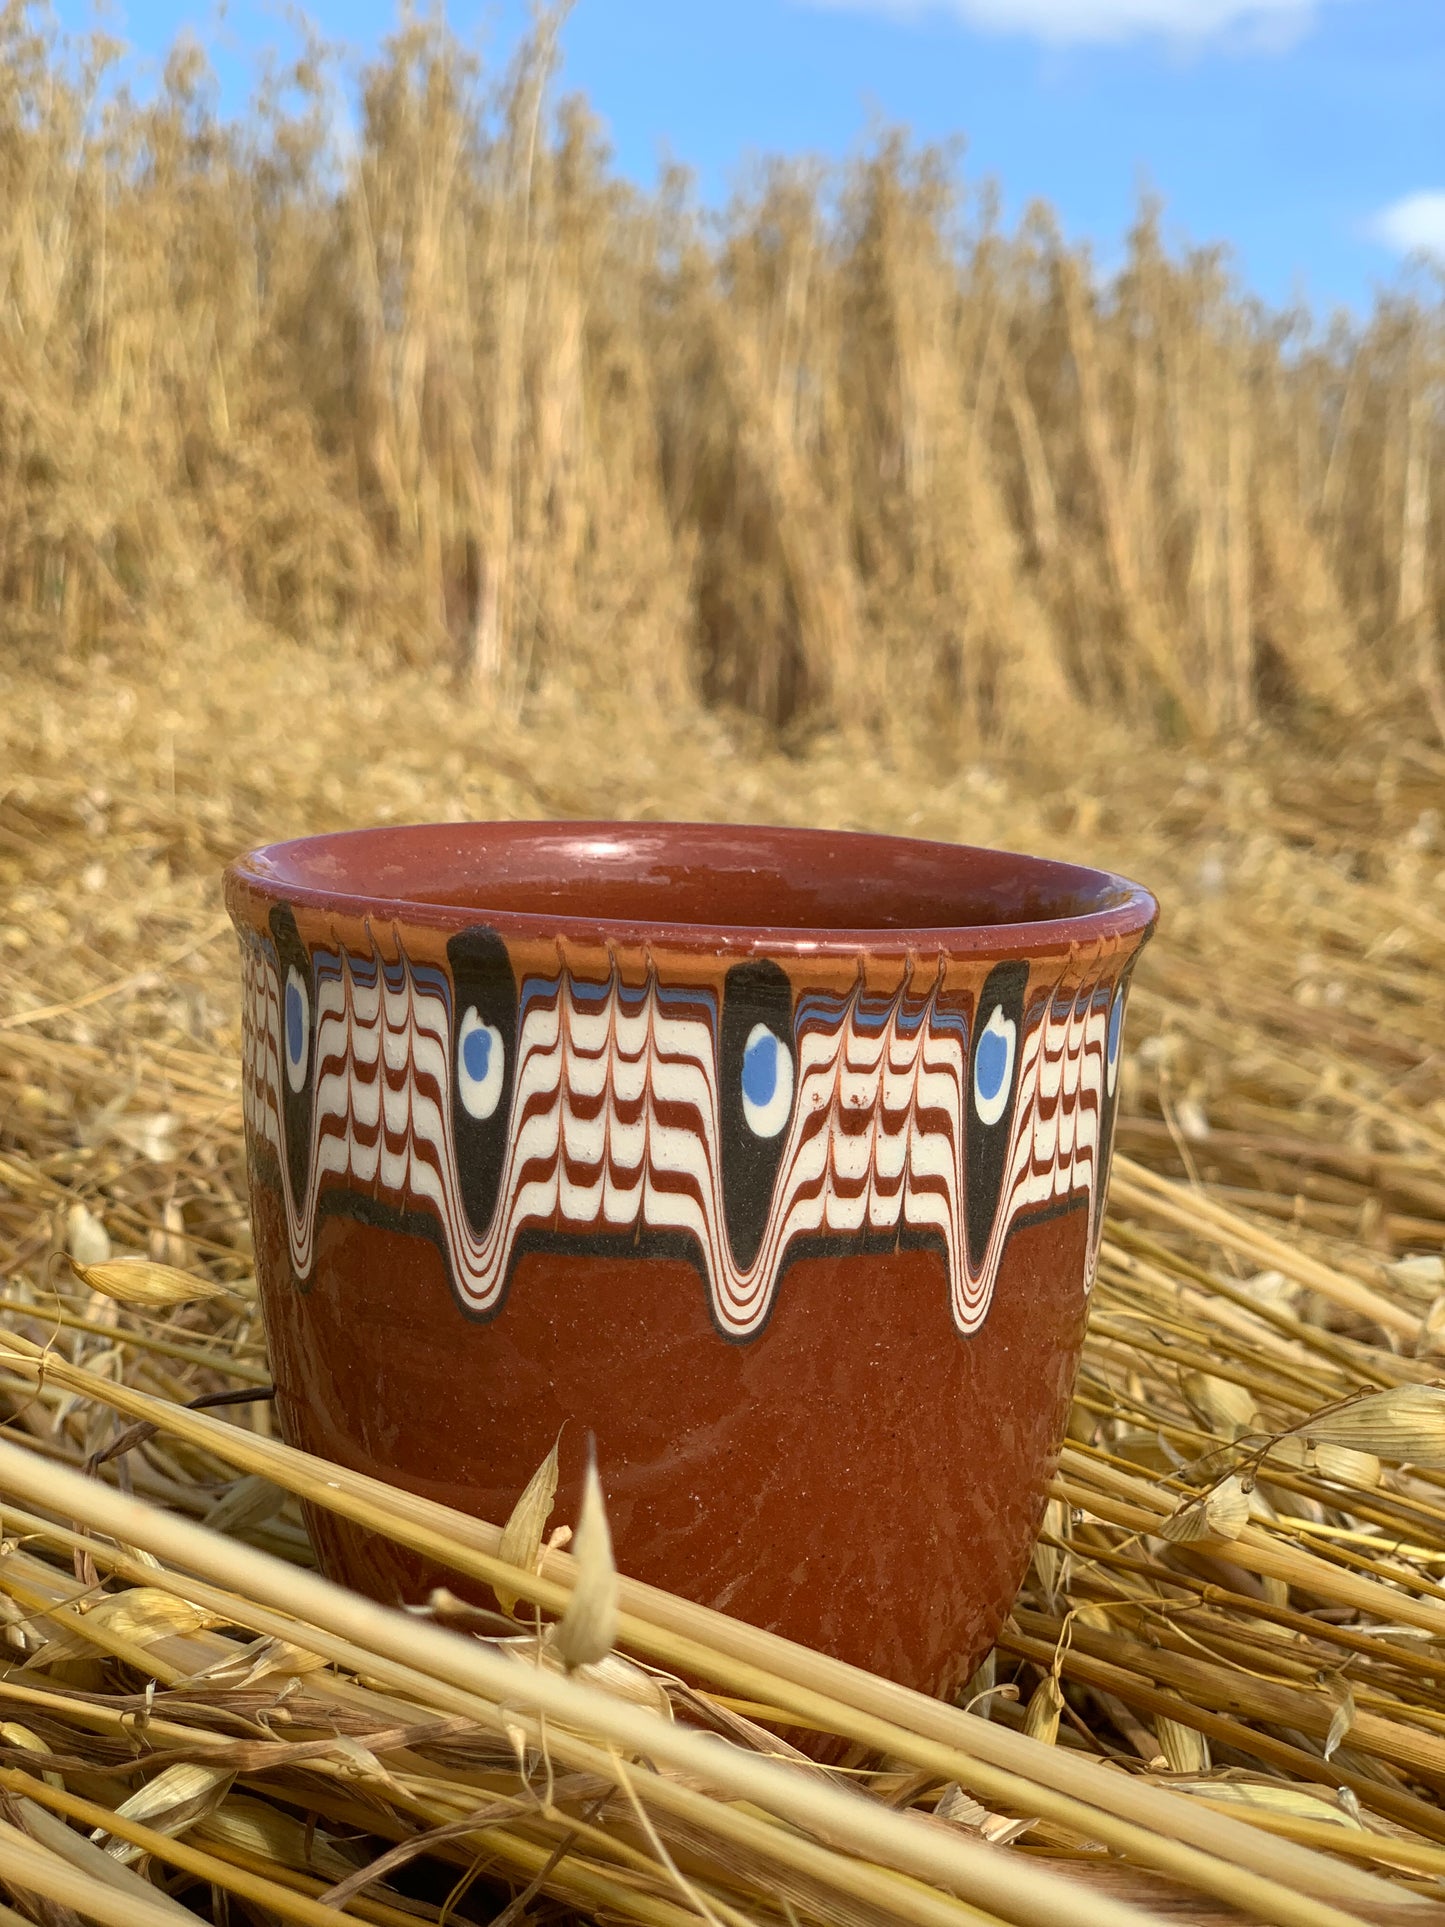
[[615, 1118]]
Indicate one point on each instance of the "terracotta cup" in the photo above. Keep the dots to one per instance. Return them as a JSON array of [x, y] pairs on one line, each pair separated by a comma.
[[775, 1159]]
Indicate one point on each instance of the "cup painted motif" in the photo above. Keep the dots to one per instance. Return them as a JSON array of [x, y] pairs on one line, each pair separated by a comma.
[[776, 1159]]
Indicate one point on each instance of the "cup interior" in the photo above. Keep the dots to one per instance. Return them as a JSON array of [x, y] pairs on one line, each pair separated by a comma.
[[702, 876]]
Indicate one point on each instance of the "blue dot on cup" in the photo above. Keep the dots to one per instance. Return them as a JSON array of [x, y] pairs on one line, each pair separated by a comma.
[[481, 1065], [296, 1024], [767, 1082], [760, 1067], [993, 1066], [477, 1052]]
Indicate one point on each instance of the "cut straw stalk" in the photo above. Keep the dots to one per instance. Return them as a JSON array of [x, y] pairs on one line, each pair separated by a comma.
[[815, 1866], [450, 1808], [204, 1865], [1427, 1672], [1146, 1192], [783, 1849], [1358, 1843], [290, 1900], [246, 1611], [1139, 1691], [33, 1869], [580, 1883], [1229, 1689], [210, 1359], [1330, 1484], [1167, 1271], [1097, 1487], [49, 1831], [1162, 1830], [1153, 1848], [115, 1645], [1132, 1343], [493, 1684]]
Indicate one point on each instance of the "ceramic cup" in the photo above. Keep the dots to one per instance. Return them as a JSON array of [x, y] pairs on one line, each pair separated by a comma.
[[775, 1159]]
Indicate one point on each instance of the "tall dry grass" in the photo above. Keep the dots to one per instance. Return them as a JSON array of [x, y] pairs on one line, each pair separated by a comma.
[[848, 455]]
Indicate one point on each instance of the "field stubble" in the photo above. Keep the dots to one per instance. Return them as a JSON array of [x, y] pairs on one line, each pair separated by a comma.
[[1271, 1654]]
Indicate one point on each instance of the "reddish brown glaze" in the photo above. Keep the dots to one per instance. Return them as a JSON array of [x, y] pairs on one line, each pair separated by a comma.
[[855, 1469], [858, 1477]]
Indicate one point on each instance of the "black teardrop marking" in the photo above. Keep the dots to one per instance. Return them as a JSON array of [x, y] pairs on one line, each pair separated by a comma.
[[292, 954], [757, 992], [482, 978], [986, 1145]]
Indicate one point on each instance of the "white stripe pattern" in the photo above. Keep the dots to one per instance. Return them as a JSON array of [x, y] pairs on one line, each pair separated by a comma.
[[615, 1120]]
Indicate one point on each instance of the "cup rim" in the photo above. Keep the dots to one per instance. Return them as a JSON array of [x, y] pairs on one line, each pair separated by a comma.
[[1119, 909]]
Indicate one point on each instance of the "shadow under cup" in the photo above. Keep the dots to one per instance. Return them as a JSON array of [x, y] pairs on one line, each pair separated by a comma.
[[774, 1159]]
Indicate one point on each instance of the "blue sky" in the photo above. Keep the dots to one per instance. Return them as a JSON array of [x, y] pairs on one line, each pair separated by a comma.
[[1308, 135]]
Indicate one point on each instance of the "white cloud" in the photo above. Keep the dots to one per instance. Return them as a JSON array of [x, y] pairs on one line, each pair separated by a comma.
[[1066, 22], [1415, 224]]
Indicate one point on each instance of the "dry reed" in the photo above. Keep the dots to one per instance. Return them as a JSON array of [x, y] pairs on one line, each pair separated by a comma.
[[852, 457]]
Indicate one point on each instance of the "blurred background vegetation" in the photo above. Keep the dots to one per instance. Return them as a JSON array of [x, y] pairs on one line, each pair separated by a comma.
[[448, 391]]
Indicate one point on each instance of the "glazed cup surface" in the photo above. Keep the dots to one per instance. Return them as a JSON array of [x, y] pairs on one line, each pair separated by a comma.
[[774, 1159]]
